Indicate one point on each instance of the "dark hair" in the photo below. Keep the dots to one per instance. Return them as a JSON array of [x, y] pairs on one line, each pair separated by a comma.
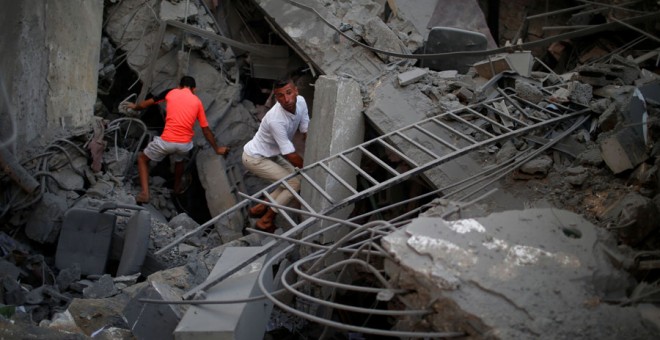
[[282, 83], [187, 81]]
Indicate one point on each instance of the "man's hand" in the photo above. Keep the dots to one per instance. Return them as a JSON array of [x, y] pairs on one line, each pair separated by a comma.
[[294, 159], [222, 150], [131, 106]]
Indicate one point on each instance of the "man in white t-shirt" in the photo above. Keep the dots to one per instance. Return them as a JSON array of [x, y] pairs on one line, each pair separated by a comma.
[[271, 154]]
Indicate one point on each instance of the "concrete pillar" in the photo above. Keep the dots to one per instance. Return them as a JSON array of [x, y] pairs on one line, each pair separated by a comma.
[[73, 40], [49, 67], [336, 124]]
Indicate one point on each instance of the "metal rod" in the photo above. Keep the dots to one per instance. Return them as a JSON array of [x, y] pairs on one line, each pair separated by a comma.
[[338, 178], [379, 161], [436, 138], [317, 187], [397, 152]]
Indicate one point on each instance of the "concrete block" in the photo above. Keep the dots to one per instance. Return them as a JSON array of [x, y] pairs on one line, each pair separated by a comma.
[[623, 150], [230, 321], [580, 93], [153, 321], [411, 76]]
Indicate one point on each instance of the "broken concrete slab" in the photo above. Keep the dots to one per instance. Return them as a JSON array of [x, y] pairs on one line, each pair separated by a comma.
[[411, 76], [381, 37], [388, 101], [515, 264], [230, 321], [315, 41]]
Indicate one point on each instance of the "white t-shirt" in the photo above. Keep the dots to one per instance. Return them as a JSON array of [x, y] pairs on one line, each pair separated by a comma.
[[277, 129]]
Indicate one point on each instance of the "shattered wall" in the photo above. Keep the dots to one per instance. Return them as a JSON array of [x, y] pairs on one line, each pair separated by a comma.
[[49, 63]]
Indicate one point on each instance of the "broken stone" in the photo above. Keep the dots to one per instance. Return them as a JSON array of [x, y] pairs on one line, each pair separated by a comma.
[[576, 175], [170, 41], [68, 276], [154, 321], [411, 76], [379, 36], [538, 166], [528, 91], [506, 152], [68, 179], [100, 190], [102, 288], [591, 157], [560, 95], [63, 322], [645, 176], [580, 93], [194, 42], [178, 11], [623, 150], [35, 296], [9, 270], [117, 160], [634, 216], [464, 95], [46, 220], [13, 293], [91, 315]]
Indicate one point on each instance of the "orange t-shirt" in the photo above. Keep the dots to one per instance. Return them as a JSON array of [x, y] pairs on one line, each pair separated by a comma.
[[183, 109]]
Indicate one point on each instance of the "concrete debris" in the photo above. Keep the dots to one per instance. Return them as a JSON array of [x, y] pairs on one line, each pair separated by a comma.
[[411, 76], [488, 259], [78, 146], [538, 167], [633, 216], [153, 320], [240, 320]]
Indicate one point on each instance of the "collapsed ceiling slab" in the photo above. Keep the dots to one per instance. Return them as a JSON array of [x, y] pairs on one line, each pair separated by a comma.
[[515, 275]]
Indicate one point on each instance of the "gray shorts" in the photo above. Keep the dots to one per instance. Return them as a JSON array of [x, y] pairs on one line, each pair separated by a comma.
[[158, 149]]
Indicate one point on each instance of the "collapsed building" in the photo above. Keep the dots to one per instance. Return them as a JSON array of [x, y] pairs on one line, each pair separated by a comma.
[[451, 188]]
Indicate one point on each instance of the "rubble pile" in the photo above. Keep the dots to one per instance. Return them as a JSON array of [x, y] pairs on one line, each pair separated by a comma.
[[565, 247]]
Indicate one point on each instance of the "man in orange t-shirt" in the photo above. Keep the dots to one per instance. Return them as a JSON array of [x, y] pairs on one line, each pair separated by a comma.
[[183, 109]]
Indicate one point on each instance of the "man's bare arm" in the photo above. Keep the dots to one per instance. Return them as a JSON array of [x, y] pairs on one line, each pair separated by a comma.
[[141, 105], [220, 150], [295, 159]]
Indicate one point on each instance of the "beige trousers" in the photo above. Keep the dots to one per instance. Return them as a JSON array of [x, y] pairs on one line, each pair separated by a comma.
[[273, 169]]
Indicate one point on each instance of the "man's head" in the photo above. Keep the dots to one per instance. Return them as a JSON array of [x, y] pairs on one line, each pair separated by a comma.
[[187, 81], [286, 94]]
